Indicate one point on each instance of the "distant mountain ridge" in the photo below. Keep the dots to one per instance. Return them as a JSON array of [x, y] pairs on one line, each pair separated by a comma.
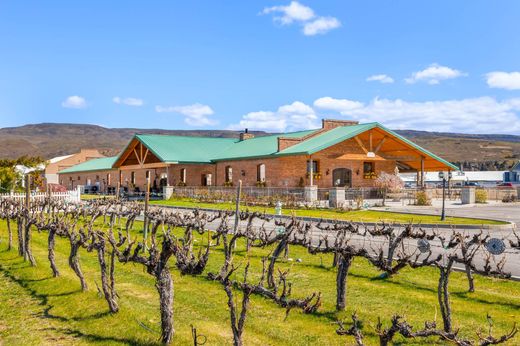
[[477, 151]]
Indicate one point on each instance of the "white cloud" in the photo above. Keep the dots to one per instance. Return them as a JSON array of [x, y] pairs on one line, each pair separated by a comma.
[[195, 115], [472, 115], [338, 105], [290, 13], [383, 78], [291, 117], [433, 74], [75, 101], [321, 25], [129, 101], [296, 12], [504, 80]]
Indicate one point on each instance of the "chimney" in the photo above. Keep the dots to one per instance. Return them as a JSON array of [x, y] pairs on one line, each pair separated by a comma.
[[329, 124], [246, 135]]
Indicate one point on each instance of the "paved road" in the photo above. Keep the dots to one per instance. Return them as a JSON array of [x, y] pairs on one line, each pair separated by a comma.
[[410, 246], [498, 211]]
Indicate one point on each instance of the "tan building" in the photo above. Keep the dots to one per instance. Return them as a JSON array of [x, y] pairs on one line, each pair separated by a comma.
[[60, 163], [341, 153]]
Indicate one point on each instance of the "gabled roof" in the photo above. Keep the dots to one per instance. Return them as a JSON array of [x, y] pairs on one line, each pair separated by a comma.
[[183, 149], [342, 133], [101, 164]]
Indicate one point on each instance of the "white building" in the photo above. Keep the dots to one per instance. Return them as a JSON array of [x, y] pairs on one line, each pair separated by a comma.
[[484, 178]]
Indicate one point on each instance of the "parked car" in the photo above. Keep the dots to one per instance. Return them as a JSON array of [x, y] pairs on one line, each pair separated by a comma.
[[505, 186], [471, 183]]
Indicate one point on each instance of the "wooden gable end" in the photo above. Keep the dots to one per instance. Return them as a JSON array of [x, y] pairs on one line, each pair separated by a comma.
[[138, 155]]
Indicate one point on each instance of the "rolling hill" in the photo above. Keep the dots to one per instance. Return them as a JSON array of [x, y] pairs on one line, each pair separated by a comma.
[[476, 151]]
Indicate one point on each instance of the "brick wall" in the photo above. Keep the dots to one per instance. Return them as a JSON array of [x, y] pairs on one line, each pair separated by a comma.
[[288, 170]]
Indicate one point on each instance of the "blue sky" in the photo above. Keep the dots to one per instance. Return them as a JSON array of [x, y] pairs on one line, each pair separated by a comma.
[[269, 65]]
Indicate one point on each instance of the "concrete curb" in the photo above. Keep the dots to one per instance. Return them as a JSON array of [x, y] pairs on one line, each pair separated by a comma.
[[315, 219]]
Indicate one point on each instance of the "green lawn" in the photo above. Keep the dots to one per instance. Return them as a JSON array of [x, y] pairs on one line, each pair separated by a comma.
[[354, 215], [36, 309]]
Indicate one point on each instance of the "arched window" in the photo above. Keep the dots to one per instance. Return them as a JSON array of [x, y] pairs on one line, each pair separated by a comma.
[[206, 179], [229, 174], [260, 173]]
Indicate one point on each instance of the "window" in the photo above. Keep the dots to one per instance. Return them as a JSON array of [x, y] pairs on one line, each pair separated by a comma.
[[229, 174], [79, 178], [183, 175], [147, 174], [206, 179], [70, 178], [369, 170], [132, 178], [109, 179], [315, 166], [260, 173]]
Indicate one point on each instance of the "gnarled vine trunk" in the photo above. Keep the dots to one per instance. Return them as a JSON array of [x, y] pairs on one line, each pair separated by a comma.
[[164, 285], [10, 232], [107, 281], [276, 253], [345, 260], [74, 262], [21, 242], [28, 256], [51, 242]]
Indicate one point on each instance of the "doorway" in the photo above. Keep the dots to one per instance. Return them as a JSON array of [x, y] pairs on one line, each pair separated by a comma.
[[342, 177]]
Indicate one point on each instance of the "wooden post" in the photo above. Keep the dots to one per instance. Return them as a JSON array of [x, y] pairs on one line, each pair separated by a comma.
[[146, 200], [237, 210], [118, 190], [422, 171], [311, 171], [27, 191]]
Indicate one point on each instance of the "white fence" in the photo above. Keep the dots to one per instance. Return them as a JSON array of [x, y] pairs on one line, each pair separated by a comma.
[[73, 196]]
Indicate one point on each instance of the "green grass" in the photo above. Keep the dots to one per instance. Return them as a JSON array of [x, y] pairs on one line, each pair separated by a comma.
[[354, 215], [36, 309]]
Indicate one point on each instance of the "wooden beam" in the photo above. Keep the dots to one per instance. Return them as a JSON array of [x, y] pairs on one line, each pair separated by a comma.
[[380, 144], [145, 155], [137, 157], [361, 144], [370, 140], [402, 158]]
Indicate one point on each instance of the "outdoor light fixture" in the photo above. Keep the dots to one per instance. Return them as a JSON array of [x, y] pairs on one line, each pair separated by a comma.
[[371, 154]]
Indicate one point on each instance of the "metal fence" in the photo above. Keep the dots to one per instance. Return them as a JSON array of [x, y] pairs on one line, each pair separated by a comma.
[[296, 194]]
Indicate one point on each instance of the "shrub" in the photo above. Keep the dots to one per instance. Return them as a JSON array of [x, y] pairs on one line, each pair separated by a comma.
[[509, 199], [422, 198], [481, 196]]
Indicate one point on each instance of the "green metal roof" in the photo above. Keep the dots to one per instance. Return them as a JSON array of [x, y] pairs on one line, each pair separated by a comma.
[[183, 149], [257, 147], [101, 164], [326, 139]]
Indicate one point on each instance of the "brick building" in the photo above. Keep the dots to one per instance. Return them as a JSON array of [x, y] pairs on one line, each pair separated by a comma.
[[341, 153], [60, 163]]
